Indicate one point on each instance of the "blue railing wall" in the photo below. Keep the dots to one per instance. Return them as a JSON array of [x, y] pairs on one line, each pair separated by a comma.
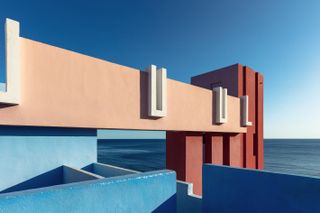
[[227, 189], [143, 192]]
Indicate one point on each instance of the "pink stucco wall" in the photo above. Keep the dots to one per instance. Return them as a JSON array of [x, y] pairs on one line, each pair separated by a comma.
[[64, 88]]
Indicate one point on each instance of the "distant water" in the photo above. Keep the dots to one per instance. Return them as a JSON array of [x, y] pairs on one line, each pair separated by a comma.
[[140, 155], [291, 156]]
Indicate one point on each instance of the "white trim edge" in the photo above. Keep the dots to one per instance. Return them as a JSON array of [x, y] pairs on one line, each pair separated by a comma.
[[245, 111], [221, 104], [157, 91], [12, 59]]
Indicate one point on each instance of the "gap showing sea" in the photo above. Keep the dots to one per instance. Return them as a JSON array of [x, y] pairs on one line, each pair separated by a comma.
[[290, 156]]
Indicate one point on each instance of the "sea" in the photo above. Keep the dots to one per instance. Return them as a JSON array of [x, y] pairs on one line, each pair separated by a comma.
[[289, 156]]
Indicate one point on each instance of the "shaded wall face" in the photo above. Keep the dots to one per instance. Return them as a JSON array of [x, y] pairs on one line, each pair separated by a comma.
[[26, 152], [227, 77], [227, 189], [184, 155]]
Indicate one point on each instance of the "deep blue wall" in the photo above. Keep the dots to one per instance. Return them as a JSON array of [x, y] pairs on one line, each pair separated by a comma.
[[26, 152], [187, 202], [227, 189], [143, 192]]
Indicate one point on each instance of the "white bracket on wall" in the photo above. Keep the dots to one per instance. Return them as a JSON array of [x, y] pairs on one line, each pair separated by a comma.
[[157, 91], [12, 60], [221, 104], [245, 111]]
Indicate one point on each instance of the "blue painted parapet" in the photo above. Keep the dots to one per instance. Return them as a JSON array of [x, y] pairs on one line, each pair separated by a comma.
[[143, 192], [227, 189]]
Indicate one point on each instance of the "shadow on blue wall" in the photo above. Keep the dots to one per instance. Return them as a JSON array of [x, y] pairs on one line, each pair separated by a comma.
[[167, 206], [50, 178]]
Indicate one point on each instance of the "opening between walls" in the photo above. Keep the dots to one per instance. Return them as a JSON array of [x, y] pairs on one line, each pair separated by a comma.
[[132, 149]]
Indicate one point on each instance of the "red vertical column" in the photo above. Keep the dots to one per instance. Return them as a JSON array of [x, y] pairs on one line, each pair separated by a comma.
[[184, 154], [236, 150], [213, 148], [224, 149], [248, 82], [176, 153], [259, 121]]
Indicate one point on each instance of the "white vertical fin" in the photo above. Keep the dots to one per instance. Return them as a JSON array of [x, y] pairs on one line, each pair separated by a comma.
[[245, 111], [157, 91], [12, 43], [221, 104]]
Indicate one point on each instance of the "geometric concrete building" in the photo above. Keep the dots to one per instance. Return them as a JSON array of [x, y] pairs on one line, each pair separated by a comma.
[[55, 100]]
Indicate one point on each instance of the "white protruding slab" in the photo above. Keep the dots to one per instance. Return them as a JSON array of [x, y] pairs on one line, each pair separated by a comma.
[[12, 45], [245, 111], [221, 104], [157, 91]]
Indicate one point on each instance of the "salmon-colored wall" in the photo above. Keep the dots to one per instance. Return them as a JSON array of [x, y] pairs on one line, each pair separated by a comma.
[[63, 88]]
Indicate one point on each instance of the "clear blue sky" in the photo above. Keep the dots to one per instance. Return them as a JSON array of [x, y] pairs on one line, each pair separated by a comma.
[[281, 39]]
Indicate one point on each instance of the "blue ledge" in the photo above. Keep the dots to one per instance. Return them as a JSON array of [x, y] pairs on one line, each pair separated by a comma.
[[143, 192]]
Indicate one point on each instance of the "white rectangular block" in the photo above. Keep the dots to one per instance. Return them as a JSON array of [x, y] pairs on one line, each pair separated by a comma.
[[221, 104], [157, 91]]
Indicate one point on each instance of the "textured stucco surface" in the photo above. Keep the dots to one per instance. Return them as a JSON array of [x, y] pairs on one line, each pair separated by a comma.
[[227, 189], [67, 89], [145, 192]]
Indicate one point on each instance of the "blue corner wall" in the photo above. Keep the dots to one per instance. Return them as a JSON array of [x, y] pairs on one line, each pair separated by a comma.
[[187, 202], [27, 152], [143, 192], [227, 189]]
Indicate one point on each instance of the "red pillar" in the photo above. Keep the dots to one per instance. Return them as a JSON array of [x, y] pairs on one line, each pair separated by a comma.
[[259, 121], [236, 150], [224, 149], [213, 148], [184, 155], [248, 84], [241, 80]]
